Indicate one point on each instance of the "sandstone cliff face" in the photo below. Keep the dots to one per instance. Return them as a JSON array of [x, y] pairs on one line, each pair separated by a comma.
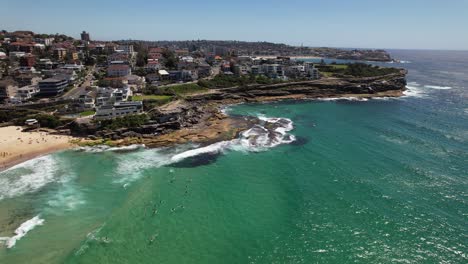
[[310, 89], [198, 119]]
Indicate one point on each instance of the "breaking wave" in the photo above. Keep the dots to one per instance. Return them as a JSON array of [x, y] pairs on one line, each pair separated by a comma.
[[414, 89], [438, 87], [270, 133], [360, 99], [22, 230], [27, 177], [104, 148]]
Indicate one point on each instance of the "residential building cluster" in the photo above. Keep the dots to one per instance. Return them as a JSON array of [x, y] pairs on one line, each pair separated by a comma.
[[40, 67]]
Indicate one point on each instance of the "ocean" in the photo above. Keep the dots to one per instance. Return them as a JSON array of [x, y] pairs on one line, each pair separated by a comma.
[[338, 181]]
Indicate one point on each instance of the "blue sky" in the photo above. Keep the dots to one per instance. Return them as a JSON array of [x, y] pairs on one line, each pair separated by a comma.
[[404, 24]]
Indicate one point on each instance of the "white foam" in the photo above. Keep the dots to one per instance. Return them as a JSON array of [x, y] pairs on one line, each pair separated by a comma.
[[27, 177], [67, 198], [438, 87], [104, 148], [131, 165], [360, 99], [405, 62], [414, 91], [257, 138], [213, 148], [23, 229]]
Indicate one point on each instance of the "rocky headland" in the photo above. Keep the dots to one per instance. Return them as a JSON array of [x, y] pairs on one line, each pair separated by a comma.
[[198, 118]]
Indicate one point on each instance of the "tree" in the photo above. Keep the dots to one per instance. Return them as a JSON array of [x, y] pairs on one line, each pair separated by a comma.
[[171, 60]]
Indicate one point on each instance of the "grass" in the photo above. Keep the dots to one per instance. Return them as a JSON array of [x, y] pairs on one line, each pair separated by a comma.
[[151, 97], [339, 66], [184, 89], [87, 113]]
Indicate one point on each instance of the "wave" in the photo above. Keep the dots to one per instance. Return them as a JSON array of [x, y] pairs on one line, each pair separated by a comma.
[[105, 148], [27, 177], [22, 230], [67, 198], [438, 87], [360, 99], [272, 132], [404, 62], [414, 91]]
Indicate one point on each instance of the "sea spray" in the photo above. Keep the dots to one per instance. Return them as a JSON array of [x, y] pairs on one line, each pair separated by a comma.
[[27, 177], [257, 138], [23, 229]]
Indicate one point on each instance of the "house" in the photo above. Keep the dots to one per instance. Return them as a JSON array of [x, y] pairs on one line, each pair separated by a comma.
[[127, 49], [8, 89], [204, 69], [46, 64], [118, 70], [74, 67], [60, 53], [153, 65], [26, 79], [68, 74], [116, 82], [240, 70], [27, 92], [86, 100], [15, 55], [52, 86], [152, 78], [28, 60], [183, 75], [21, 46], [311, 71], [119, 109], [135, 80], [163, 75]]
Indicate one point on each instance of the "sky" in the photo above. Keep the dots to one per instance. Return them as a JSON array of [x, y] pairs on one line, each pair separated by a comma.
[[390, 24]]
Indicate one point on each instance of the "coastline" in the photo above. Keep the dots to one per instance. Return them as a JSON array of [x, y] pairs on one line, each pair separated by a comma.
[[17, 147], [218, 126]]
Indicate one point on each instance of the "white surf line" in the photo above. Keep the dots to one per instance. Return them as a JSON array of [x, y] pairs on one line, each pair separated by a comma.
[[22, 230]]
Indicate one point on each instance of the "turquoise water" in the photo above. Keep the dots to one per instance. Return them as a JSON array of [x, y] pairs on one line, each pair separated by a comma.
[[378, 181]]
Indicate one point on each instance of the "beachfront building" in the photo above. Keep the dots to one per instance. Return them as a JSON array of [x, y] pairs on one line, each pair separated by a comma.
[[27, 92], [119, 109], [87, 100], [52, 86]]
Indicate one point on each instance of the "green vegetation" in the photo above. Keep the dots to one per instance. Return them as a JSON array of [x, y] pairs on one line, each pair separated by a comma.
[[226, 81], [130, 121], [152, 101], [174, 90], [45, 120], [355, 70], [87, 113], [151, 97], [170, 59], [183, 89]]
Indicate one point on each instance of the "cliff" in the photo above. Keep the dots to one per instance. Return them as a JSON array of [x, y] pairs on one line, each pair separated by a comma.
[[198, 117], [386, 85]]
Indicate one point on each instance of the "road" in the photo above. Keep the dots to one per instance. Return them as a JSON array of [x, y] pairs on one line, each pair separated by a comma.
[[75, 92]]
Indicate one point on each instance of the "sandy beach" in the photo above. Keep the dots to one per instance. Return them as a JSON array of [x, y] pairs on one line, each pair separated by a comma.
[[17, 146]]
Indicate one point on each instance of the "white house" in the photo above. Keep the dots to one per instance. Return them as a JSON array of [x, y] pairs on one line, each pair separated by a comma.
[[119, 109], [118, 70]]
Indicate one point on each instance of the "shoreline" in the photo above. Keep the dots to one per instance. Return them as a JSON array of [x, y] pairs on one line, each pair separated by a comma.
[[23, 146], [17, 146]]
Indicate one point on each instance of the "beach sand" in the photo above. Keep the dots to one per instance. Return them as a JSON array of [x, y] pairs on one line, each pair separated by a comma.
[[17, 146]]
